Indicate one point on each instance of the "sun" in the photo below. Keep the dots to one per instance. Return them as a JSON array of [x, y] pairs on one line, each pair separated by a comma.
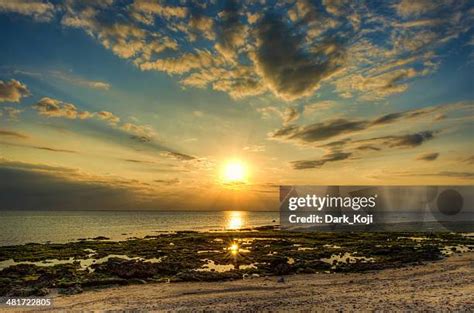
[[234, 172], [234, 248]]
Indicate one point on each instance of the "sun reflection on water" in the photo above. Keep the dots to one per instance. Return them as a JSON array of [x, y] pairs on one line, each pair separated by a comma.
[[235, 219], [234, 248]]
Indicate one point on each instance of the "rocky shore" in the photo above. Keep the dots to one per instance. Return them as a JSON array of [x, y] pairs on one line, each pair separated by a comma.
[[76, 267], [442, 286]]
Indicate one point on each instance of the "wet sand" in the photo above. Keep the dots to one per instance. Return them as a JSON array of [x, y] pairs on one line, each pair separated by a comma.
[[446, 285]]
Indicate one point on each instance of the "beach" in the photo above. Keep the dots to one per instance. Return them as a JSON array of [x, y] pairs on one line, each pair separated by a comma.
[[44, 270], [446, 285]]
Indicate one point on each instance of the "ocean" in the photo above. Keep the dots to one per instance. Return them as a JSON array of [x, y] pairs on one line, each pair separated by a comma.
[[20, 227]]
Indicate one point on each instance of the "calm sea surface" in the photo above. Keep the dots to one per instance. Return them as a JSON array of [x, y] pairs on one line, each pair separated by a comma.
[[19, 227]]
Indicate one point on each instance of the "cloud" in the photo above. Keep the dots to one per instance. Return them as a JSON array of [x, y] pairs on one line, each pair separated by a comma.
[[268, 111], [469, 160], [53, 108], [379, 86], [318, 134], [330, 128], [451, 174], [138, 161], [319, 106], [128, 40], [178, 156], [107, 116], [43, 187], [318, 131], [288, 132], [303, 11], [50, 107], [287, 115], [117, 130], [336, 144], [76, 80], [231, 32], [63, 76], [330, 157], [142, 139], [253, 18], [428, 156], [290, 115], [431, 22], [287, 69], [35, 166], [337, 7], [410, 140], [246, 50], [168, 182], [239, 81], [467, 175], [423, 112], [407, 8], [254, 148], [202, 25], [41, 11], [12, 91], [123, 38], [241, 87], [143, 133], [9, 133], [362, 147], [411, 48], [50, 149], [10, 113], [352, 149], [400, 141], [145, 10], [54, 149], [181, 64], [458, 175], [38, 186]]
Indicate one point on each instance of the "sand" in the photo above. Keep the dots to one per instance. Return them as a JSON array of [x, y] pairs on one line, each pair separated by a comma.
[[446, 285]]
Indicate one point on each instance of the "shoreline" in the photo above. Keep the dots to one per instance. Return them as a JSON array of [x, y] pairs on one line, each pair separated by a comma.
[[46, 269], [62, 228], [434, 286]]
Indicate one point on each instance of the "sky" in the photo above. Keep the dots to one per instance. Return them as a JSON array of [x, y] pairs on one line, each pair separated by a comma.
[[130, 105]]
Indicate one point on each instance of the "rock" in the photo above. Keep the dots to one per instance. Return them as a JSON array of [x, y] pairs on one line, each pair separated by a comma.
[[101, 238], [22, 292], [72, 290], [281, 279], [279, 266], [42, 292]]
